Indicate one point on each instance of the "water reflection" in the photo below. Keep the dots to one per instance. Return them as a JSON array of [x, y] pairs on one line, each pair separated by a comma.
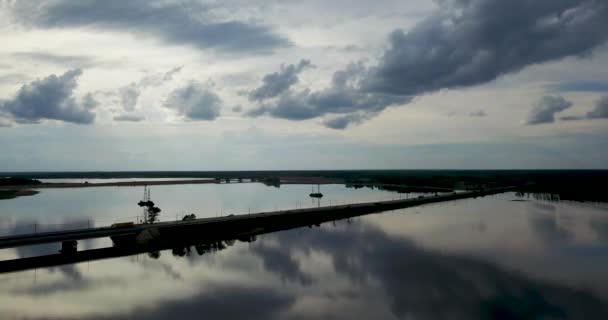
[[576, 196], [600, 228], [423, 284], [386, 266], [58, 209]]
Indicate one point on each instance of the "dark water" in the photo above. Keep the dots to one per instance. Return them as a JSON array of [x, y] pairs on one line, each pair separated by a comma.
[[485, 258]]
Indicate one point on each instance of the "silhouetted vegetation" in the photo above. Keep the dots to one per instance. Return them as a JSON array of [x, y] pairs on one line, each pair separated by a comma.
[[202, 248], [18, 182], [569, 184], [576, 185], [11, 194], [154, 254], [189, 217], [151, 211], [272, 181], [8, 194]]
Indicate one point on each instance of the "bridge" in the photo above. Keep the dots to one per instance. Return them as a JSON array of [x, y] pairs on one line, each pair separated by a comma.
[[140, 238]]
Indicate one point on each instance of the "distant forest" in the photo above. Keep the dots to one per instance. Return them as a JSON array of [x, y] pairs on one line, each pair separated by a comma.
[[568, 184]]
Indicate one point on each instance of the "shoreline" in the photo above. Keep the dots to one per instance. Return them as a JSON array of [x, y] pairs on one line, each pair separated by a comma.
[[12, 193], [59, 185]]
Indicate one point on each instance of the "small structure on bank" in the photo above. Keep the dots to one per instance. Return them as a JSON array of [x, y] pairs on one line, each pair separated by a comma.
[[317, 194], [150, 211]]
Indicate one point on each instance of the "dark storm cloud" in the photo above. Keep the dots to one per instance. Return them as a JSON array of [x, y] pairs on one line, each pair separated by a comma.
[[180, 22], [601, 109], [276, 83], [545, 109], [342, 122], [471, 42], [336, 100], [50, 98], [342, 97], [194, 102], [466, 43]]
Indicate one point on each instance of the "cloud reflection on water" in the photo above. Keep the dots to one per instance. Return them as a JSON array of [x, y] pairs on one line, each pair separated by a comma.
[[344, 270]]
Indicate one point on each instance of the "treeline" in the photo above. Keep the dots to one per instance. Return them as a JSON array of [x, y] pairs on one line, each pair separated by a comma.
[[18, 182], [576, 186]]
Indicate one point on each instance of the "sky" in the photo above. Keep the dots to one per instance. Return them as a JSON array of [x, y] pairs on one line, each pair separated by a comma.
[[277, 85]]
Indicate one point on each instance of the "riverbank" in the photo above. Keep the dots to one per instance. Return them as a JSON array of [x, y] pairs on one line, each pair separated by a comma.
[[283, 180], [11, 194]]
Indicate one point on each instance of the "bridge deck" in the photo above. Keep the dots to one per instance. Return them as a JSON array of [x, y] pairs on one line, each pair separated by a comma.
[[227, 221]]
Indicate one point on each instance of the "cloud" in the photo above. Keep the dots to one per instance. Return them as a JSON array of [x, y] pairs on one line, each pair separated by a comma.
[[465, 43], [237, 109], [479, 113], [307, 104], [473, 42], [4, 123], [581, 86], [129, 117], [12, 78], [129, 94], [282, 263], [219, 302], [571, 118], [184, 22], [194, 102], [545, 109], [278, 82], [343, 96], [69, 60], [51, 98], [601, 109], [343, 122], [158, 79]]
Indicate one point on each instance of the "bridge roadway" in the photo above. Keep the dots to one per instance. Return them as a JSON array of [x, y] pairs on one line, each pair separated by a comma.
[[255, 219]]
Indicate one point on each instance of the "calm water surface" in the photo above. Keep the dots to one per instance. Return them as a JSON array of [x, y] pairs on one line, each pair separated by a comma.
[[101, 206], [110, 180], [488, 258]]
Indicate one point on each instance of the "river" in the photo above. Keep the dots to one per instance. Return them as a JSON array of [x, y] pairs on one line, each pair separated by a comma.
[[496, 257]]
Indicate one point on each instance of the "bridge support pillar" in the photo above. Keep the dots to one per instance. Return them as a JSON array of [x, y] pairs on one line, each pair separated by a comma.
[[69, 246]]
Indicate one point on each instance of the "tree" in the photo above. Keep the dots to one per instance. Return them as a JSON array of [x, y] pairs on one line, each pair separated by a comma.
[[189, 217], [151, 211]]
